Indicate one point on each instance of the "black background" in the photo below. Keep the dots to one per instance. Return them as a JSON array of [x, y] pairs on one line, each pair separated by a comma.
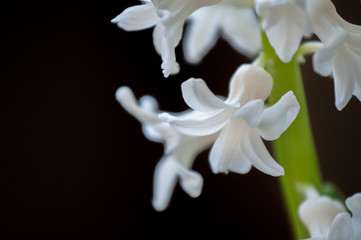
[[75, 165]]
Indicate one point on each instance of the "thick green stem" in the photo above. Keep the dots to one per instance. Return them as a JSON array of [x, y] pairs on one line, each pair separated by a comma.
[[295, 149]]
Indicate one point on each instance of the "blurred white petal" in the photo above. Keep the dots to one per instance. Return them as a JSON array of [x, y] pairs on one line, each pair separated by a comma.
[[126, 98], [201, 33], [285, 23], [137, 17], [341, 228], [318, 214], [165, 178], [354, 204], [342, 53]]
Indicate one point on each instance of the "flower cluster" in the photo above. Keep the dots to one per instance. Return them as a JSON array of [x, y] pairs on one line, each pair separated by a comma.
[[234, 127], [285, 22]]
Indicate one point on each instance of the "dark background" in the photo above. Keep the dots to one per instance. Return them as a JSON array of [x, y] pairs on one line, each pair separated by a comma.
[[75, 165]]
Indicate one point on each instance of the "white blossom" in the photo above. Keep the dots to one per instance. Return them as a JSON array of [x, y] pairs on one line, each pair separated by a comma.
[[179, 150], [285, 23], [234, 20], [241, 120], [327, 219], [341, 55], [168, 17]]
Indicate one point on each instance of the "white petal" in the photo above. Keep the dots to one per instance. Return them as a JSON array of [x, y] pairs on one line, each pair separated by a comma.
[[354, 204], [173, 14], [258, 154], [277, 118], [198, 126], [165, 178], [198, 96], [318, 214], [169, 64], [285, 25], [158, 34], [188, 147], [161, 132], [323, 58], [341, 228], [226, 153], [251, 112], [137, 17], [344, 77], [190, 181], [248, 83], [241, 29], [324, 18], [126, 98], [201, 33]]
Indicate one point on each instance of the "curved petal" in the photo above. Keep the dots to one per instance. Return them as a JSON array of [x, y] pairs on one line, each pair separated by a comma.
[[251, 112], [199, 126], [126, 98], [258, 154], [323, 58], [189, 147], [226, 153], [341, 228], [173, 14], [317, 214], [137, 17], [248, 83], [201, 33], [165, 178], [285, 24], [198, 96], [169, 64], [354, 204], [344, 77], [158, 34], [241, 29], [277, 118], [190, 181]]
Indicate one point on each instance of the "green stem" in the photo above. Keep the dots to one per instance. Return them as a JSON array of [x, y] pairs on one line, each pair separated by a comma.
[[295, 149]]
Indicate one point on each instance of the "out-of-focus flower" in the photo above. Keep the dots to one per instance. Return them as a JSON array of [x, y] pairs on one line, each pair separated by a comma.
[[285, 23], [234, 20], [341, 55], [327, 219], [179, 150], [241, 118]]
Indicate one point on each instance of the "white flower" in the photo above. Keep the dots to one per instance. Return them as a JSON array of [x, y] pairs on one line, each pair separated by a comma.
[[168, 17], [327, 219], [179, 151], [285, 23], [241, 118], [234, 20], [341, 55]]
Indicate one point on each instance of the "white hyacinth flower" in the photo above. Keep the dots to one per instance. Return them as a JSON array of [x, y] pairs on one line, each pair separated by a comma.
[[285, 22], [179, 150], [234, 20], [168, 17], [327, 219], [241, 120], [341, 55]]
